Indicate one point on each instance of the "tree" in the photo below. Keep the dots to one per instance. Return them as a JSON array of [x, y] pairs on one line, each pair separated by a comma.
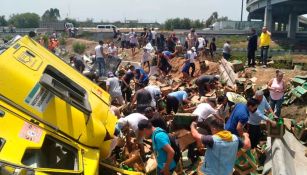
[[3, 21], [53, 14], [25, 20], [185, 23]]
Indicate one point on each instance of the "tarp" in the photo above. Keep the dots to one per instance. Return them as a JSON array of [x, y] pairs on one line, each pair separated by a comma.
[[285, 156]]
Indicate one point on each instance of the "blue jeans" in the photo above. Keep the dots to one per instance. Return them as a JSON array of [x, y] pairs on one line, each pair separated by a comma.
[[264, 54], [101, 66], [276, 105]]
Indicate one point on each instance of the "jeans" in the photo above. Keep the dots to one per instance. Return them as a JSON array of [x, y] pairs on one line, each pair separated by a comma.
[[172, 104], [276, 105], [226, 56], [101, 66], [254, 132], [251, 57], [192, 65], [264, 54]]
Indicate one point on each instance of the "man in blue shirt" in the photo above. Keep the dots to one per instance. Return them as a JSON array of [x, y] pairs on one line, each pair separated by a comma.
[[256, 117], [161, 146], [141, 77], [174, 99], [240, 115]]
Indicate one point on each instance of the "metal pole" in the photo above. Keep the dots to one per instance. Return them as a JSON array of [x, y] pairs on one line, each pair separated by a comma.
[[242, 11]]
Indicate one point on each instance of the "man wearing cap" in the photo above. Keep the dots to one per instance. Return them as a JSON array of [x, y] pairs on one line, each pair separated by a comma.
[[114, 89], [256, 117], [205, 83]]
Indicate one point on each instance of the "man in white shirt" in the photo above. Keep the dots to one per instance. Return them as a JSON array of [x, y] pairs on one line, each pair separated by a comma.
[[192, 55], [227, 50], [112, 50], [154, 34], [201, 43], [131, 122], [155, 93], [203, 110], [114, 89], [100, 54]]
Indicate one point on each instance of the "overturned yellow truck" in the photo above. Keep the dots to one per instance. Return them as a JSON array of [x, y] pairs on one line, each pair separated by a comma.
[[53, 120]]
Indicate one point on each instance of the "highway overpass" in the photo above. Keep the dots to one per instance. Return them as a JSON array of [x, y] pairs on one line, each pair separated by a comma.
[[278, 15]]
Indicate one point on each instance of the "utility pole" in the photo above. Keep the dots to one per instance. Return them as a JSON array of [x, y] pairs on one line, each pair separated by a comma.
[[242, 11]]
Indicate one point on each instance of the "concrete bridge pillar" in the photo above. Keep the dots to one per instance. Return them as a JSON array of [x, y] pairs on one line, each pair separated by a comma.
[[268, 16], [293, 20], [279, 27]]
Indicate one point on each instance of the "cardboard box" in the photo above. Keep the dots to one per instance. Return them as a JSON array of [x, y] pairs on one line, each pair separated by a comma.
[[184, 138]]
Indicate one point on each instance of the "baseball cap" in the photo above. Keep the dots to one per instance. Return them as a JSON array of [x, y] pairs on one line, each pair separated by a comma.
[[110, 74]]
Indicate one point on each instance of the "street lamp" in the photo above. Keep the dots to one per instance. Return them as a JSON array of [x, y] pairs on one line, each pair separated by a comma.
[[242, 11]]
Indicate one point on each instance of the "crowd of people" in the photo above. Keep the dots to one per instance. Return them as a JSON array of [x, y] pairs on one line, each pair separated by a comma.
[[224, 125]]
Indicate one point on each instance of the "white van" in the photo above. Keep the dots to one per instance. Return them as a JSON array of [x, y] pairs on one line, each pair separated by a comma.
[[106, 27]]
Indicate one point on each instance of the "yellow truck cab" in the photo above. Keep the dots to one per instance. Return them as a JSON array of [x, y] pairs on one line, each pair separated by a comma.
[[53, 120]]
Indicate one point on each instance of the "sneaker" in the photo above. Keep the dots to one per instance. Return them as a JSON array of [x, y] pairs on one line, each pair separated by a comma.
[[264, 66]]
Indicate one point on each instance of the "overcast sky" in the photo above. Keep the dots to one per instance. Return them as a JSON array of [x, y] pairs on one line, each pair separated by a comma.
[[112, 10]]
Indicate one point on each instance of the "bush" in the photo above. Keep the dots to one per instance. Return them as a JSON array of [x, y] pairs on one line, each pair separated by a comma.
[[78, 48], [62, 41]]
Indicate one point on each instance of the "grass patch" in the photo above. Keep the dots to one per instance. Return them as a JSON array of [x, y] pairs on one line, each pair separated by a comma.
[[78, 48]]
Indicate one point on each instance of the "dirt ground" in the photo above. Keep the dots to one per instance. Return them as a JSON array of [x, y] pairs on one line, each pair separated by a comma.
[[295, 111], [263, 75]]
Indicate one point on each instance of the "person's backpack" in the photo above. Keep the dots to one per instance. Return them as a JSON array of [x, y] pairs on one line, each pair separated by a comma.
[[174, 145]]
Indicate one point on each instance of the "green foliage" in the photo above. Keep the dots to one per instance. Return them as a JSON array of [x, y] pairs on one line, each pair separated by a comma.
[[3, 21], [78, 47], [25, 20], [185, 23], [8, 37], [53, 14], [62, 41]]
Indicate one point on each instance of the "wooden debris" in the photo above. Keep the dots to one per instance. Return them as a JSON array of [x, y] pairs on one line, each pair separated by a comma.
[[245, 163], [227, 73], [166, 90], [184, 138]]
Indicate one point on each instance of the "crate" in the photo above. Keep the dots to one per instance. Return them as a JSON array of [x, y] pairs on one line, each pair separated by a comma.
[[183, 121], [276, 132], [245, 163], [300, 132]]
